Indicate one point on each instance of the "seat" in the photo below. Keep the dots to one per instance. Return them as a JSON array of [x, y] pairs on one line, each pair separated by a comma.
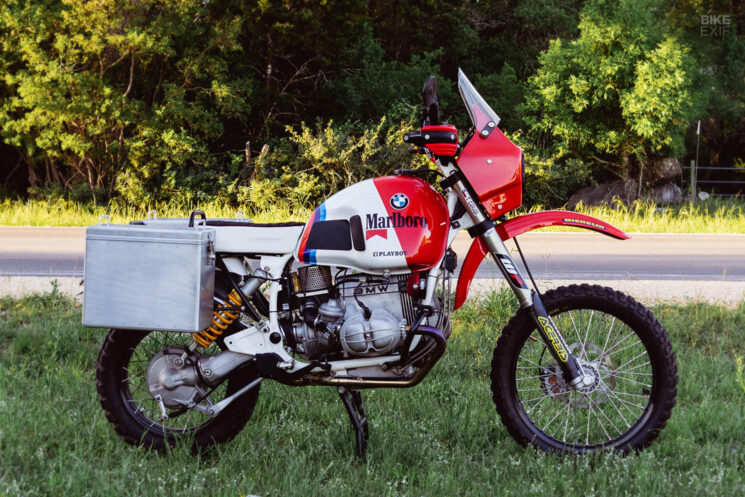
[[237, 236], [240, 237]]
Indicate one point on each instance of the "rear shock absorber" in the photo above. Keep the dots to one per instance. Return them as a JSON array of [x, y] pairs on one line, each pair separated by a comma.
[[223, 318]]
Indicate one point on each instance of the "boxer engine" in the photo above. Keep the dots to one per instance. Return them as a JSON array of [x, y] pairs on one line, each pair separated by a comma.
[[358, 315]]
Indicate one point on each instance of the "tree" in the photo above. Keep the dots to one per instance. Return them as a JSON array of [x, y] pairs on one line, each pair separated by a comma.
[[624, 90], [117, 94]]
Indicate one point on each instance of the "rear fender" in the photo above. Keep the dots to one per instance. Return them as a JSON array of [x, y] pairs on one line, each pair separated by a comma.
[[522, 224]]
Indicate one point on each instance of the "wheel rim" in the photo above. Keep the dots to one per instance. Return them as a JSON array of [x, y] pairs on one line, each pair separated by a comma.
[[137, 399], [606, 413]]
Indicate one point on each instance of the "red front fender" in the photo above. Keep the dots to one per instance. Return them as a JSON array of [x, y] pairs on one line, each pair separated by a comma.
[[519, 225]]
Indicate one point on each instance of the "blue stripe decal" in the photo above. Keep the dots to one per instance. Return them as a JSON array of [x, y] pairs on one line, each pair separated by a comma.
[[322, 208], [309, 256]]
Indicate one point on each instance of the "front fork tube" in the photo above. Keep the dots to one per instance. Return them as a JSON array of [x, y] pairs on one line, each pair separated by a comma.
[[530, 300], [570, 367]]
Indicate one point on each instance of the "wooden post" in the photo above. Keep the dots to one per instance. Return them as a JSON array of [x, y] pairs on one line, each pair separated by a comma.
[[693, 181], [694, 165]]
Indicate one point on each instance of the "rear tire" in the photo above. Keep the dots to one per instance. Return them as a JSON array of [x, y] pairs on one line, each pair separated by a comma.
[[134, 415], [623, 345]]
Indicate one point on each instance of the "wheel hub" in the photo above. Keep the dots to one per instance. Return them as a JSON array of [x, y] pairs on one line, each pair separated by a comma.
[[600, 371], [592, 373], [173, 380]]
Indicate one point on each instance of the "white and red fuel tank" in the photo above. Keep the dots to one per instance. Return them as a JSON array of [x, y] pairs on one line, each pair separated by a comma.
[[394, 223]]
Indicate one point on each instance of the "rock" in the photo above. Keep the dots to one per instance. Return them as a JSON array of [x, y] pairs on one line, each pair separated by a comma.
[[666, 194], [626, 191], [664, 171]]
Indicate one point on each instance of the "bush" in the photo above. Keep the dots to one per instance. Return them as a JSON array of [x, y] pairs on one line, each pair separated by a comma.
[[549, 178], [312, 163]]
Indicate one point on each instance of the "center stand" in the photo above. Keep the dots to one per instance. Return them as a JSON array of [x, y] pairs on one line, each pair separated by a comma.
[[357, 416]]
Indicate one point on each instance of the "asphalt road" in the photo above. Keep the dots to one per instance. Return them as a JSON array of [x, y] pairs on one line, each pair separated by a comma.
[[564, 256]]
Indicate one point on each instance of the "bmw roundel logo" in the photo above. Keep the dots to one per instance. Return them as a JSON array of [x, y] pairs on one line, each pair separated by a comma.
[[399, 201]]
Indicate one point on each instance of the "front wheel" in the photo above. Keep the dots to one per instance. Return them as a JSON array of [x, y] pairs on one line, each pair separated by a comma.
[[618, 342]]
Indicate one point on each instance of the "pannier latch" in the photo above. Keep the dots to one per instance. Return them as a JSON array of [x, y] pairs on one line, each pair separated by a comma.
[[211, 253]]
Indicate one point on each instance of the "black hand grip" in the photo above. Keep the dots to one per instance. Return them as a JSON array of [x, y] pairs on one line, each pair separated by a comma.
[[422, 138], [413, 172], [196, 213], [415, 138]]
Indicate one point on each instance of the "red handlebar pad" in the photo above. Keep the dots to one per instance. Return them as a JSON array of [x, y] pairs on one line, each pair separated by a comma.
[[444, 149]]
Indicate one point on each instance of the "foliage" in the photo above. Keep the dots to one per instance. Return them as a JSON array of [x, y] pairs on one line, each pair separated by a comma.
[[739, 369], [373, 86], [624, 89], [117, 94], [549, 178], [315, 162], [158, 101]]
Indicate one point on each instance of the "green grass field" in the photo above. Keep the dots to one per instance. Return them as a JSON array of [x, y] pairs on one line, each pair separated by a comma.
[[441, 438], [712, 216]]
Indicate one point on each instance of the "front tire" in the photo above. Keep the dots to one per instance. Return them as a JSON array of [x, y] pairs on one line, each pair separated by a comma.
[[617, 340]]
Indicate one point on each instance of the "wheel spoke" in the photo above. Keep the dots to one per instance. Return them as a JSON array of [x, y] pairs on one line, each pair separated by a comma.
[[612, 401], [576, 330], [625, 379], [583, 352], [610, 421], [631, 370], [626, 403], [607, 353], [642, 354], [528, 360], [610, 329], [533, 377], [556, 416], [616, 344], [599, 421], [566, 421]]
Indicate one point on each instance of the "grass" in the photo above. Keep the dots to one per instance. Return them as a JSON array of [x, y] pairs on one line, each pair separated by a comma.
[[439, 438], [712, 216], [61, 212], [642, 216]]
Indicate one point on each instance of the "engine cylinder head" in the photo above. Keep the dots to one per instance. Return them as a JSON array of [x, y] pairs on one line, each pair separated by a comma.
[[377, 336]]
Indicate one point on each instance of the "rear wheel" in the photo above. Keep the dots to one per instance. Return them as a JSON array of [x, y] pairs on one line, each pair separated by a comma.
[[124, 363], [617, 341]]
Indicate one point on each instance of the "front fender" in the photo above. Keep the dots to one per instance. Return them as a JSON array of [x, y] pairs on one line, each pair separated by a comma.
[[522, 224]]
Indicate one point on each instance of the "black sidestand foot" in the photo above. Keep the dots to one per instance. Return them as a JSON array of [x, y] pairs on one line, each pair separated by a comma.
[[357, 416]]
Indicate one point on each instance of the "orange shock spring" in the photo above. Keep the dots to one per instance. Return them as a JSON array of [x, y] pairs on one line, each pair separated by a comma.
[[221, 319]]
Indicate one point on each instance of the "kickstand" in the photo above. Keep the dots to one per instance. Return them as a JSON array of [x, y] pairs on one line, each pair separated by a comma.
[[357, 416]]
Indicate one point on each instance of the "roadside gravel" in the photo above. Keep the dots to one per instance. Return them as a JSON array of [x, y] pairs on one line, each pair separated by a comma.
[[646, 291]]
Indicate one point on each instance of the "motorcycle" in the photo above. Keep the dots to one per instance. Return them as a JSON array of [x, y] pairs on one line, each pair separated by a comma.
[[360, 297]]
